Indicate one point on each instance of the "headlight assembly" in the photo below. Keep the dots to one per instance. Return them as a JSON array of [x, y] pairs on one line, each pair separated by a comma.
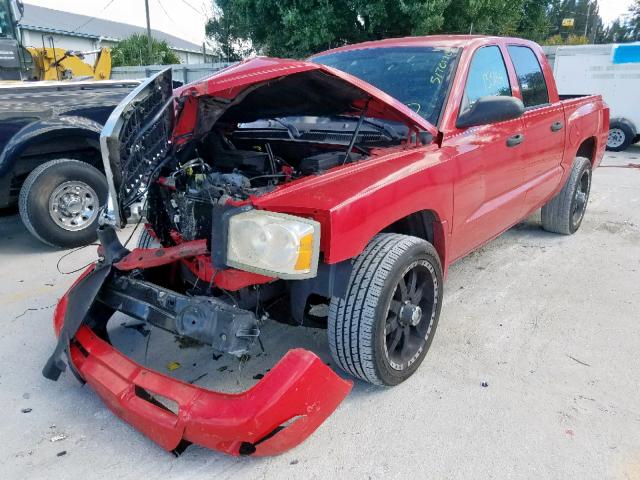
[[274, 244]]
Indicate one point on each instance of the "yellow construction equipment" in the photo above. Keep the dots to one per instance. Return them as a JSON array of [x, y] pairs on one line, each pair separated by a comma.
[[59, 64], [19, 62]]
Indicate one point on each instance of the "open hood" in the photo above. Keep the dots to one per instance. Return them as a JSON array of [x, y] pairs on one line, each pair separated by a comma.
[[153, 120], [271, 87]]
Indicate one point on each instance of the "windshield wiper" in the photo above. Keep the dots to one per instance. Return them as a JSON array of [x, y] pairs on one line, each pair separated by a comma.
[[392, 132], [291, 128], [347, 156]]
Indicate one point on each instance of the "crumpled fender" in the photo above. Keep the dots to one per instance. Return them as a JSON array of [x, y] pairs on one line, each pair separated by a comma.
[[276, 414]]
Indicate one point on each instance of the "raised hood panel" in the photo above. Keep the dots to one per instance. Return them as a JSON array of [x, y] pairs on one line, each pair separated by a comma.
[[266, 87]]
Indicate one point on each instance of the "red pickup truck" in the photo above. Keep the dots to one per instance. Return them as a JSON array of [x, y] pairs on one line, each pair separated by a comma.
[[345, 185]]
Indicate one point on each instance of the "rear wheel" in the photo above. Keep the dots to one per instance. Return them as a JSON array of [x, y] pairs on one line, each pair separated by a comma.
[[621, 135], [564, 212], [60, 201], [381, 331]]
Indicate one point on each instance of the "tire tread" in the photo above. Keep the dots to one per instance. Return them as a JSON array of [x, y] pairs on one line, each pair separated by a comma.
[[352, 320], [556, 214], [24, 202]]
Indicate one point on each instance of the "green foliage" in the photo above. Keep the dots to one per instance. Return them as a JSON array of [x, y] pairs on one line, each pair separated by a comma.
[[625, 29], [568, 40], [295, 28], [134, 50], [521, 18], [586, 16]]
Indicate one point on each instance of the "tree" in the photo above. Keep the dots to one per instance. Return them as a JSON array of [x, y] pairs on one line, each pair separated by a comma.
[[585, 15], [617, 32], [296, 29], [293, 28], [223, 30], [634, 21], [134, 50]]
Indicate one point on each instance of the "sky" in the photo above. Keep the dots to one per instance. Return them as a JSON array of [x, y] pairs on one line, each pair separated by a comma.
[[612, 9], [186, 18], [182, 18]]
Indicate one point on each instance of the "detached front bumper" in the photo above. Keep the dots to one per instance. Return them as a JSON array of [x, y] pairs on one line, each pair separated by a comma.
[[276, 414]]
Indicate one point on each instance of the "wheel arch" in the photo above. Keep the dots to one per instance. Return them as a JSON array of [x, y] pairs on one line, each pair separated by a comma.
[[588, 149], [37, 143], [425, 224], [332, 278], [45, 138]]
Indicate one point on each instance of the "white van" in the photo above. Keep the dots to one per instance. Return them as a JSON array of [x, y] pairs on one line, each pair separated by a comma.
[[612, 71]]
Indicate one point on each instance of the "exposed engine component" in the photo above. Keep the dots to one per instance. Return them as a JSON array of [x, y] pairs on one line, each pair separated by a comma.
[[194, 190], [324, 161], [251, 162], [229, 174], [233, 163], [228, 329]]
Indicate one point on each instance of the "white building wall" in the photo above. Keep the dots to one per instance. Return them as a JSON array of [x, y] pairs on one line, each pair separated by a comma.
[[33, 38]]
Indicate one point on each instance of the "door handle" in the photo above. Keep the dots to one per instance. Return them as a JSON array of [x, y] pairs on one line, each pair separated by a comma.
[[555, 126], [514, 140]]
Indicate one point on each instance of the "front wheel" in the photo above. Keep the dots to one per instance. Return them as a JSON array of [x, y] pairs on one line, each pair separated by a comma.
[[60, 202], [381, 331]]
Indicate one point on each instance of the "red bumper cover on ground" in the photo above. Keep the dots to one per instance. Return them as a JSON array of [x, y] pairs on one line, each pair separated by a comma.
[[276, 414]]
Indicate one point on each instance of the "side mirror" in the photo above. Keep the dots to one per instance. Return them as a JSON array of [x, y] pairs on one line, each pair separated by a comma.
[[20, 6], [491, 110]]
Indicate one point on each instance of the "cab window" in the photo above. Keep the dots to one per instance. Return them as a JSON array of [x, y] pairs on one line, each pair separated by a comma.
[[530, 77], [487, 77]]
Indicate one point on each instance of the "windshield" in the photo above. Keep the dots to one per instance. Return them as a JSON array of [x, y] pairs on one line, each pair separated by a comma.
[[6, 25], [417, 76]]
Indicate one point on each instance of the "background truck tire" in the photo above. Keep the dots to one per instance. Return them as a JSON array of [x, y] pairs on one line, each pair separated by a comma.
[[564, 212], [361, 327], [621, 135], [60, 201]]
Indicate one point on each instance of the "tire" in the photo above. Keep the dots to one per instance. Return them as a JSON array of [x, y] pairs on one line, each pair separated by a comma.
[[564, 212], [358, 324], [60, 201], [621, 135], [147, 241]]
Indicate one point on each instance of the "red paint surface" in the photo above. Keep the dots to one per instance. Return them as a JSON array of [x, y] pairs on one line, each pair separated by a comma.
[[470, 180], [476, 186], [195, 256], [300, 392]]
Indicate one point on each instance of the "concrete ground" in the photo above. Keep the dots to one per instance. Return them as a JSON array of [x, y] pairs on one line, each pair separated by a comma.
[[551, 324]]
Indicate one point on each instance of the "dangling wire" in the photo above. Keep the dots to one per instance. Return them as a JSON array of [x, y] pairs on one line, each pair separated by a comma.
[[71, 252], [142, 210]]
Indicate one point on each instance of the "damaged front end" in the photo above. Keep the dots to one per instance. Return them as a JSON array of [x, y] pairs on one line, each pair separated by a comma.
[[278, 413], [152, 285], [205, 159]]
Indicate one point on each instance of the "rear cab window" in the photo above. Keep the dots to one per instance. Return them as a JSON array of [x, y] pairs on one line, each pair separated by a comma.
[[487, 77], [533, 85]]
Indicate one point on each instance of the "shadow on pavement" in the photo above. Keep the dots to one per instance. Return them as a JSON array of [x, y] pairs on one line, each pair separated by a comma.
[[15, 239]]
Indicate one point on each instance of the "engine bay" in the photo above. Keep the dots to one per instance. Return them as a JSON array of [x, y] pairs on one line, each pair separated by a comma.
[[231, 165]]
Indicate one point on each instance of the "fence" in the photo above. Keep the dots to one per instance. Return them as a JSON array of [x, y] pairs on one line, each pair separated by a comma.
[[194, 71], [183, 72]]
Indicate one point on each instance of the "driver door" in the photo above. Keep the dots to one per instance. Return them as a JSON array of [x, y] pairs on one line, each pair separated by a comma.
[[488, 192]]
